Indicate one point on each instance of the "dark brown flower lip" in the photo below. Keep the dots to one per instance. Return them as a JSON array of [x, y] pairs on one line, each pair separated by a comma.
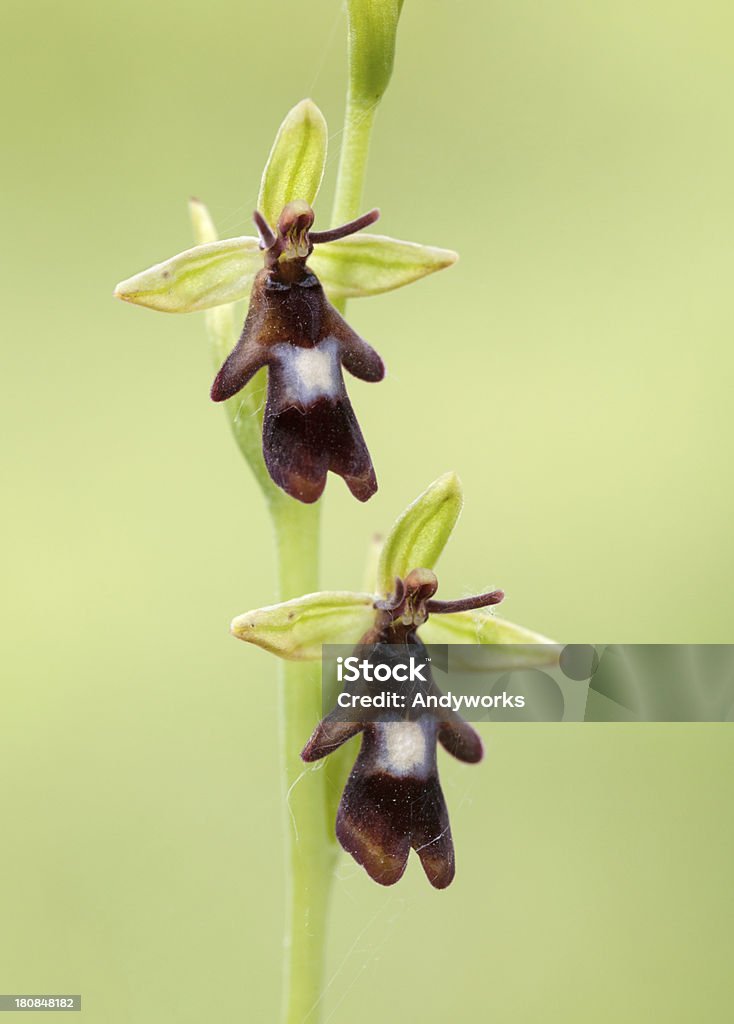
[[297, 456], [382, 817], [309, 428], [392, 801]]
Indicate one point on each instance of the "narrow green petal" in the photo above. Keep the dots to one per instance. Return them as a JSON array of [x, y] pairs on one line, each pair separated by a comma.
[[296, 163], [200, 278], [481, 627], [421, 532], [296, 629], [371, 264]]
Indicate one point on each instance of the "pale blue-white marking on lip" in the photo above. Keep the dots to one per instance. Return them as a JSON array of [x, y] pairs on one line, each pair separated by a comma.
[[405, 748], [310, 373]]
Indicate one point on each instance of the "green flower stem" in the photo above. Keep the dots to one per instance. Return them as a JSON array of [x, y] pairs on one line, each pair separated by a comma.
[[311, 847], [358, 123], [310, 850]]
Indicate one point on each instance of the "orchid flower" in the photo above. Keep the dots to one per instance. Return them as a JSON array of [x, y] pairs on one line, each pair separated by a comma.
[[291, 326], [393, 800]]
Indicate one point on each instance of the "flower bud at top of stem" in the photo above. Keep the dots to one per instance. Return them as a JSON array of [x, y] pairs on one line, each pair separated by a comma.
[[373, 26]]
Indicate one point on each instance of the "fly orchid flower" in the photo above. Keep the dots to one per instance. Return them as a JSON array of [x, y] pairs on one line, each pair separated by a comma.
[[392, 800], [291, 327]]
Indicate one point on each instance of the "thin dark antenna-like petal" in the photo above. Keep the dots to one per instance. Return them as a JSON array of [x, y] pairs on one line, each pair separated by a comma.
[[465, 604], [394, 602], [351, 228], [267, 235]]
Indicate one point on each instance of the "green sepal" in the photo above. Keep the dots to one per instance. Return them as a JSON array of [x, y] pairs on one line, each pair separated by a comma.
[[208, 275], [372, 562], [219, 319], [217, 273], [363, 264], [420, 534], [296, 163], [481, 628], [296, 629]]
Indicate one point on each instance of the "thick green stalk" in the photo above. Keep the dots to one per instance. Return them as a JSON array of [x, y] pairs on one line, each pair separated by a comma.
[[310, 851]]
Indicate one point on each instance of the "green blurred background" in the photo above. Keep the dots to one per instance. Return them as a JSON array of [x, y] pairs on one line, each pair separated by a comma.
[[575, 368]]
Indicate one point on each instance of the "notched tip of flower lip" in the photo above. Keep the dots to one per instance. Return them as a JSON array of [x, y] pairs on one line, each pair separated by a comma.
[[381, 817], [301, 445]]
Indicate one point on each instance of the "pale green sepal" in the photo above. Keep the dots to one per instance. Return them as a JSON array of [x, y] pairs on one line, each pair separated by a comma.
[[373, 26], [296, 629], [482, 628], [201, 222], [219, 319], [371, 264], [420, 534], [372, 562], [296, 163], [200, 278]]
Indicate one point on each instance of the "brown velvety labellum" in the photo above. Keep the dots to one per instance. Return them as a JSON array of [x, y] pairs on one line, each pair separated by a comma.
[[309, 428], [393, 801]]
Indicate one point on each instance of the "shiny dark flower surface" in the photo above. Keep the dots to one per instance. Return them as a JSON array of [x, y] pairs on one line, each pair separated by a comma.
[[309, 428], [393, 801]]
